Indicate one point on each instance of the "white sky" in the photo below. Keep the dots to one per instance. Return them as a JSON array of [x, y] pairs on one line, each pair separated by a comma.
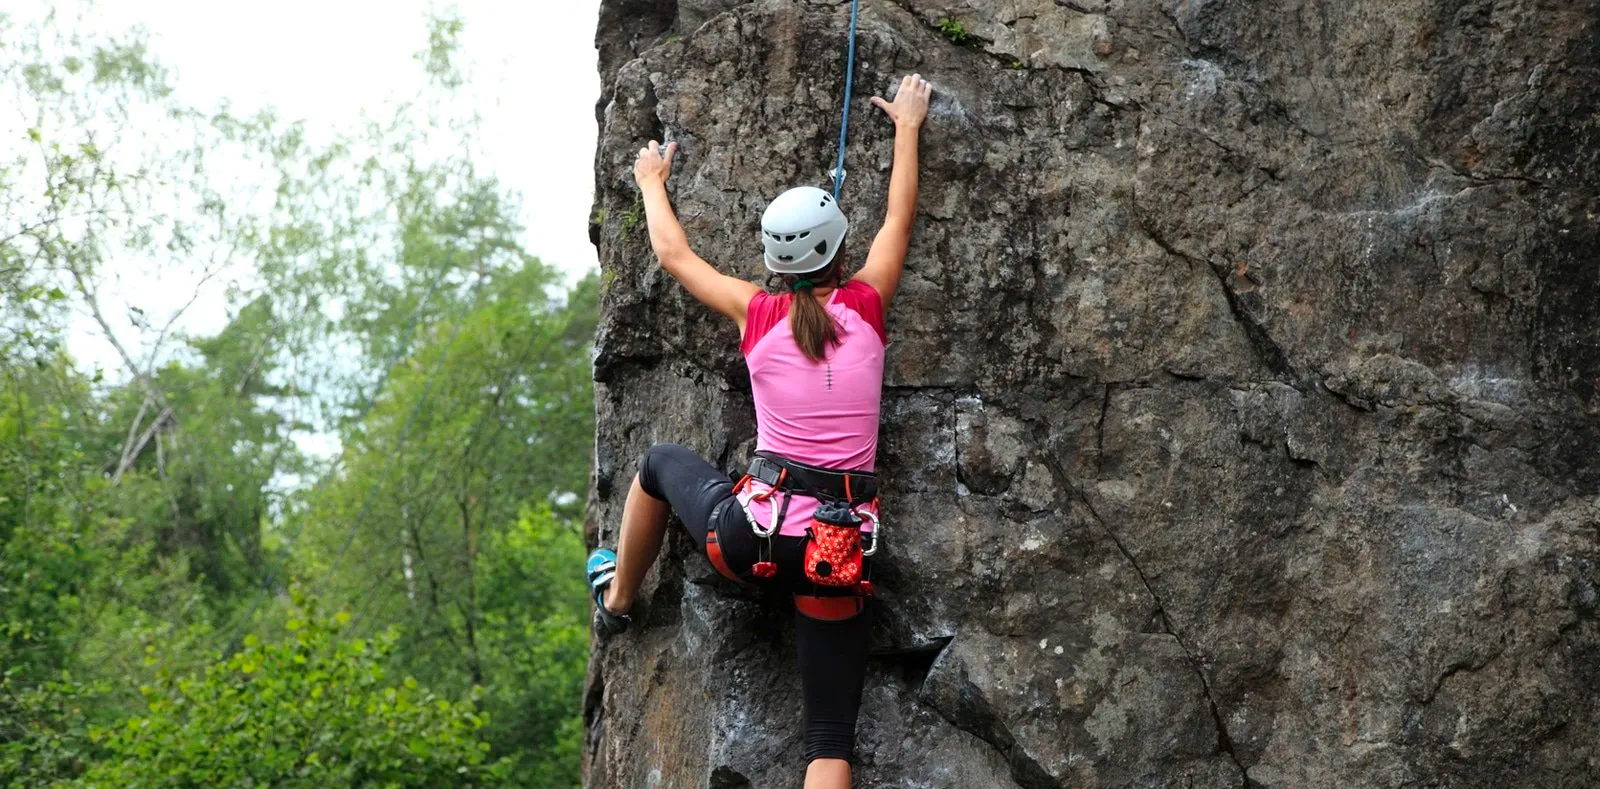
[[532, 75]]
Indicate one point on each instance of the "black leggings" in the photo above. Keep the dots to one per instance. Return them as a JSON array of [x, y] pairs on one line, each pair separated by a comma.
[[832, 654]]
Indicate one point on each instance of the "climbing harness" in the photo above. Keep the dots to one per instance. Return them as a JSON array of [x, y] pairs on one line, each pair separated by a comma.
[[829, 609], [838, 171], [836, 548]]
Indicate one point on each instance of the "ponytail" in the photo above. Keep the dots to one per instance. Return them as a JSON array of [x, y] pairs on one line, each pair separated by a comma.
[[814, 330]]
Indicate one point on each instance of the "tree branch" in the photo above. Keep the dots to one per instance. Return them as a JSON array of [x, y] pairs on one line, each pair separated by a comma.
[[130, 456], [161, 470], [127, 444], [161, 336], [92, 299]]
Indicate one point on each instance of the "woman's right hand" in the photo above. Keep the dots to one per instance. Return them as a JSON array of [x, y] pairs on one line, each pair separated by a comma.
[[910, 105]]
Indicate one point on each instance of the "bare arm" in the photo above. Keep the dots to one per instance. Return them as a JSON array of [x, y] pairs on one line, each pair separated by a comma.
[[727, 295], [887, 257]]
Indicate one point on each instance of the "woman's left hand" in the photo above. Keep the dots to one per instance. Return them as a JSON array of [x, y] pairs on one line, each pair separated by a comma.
[[654, 163]]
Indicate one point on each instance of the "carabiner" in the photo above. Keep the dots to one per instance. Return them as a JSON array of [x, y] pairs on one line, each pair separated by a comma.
[[877, 526], [755, 525]]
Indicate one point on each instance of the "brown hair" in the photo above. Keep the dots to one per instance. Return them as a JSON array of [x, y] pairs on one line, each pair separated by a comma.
[[815, 331]]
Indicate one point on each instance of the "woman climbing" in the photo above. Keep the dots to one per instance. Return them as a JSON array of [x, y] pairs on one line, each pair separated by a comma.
[[803, 519]]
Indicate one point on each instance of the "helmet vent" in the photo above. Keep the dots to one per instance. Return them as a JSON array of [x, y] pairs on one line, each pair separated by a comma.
[[823, 204], [786, 258], [807, 233], [789, 237], [822, 248]]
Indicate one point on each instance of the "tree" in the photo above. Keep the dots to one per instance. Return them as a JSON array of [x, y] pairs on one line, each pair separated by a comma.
[[535, 646], [153, 517], [468, 474], [310, 711]]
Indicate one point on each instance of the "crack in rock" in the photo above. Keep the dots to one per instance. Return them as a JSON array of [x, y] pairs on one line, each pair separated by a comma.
[[1224, 741]]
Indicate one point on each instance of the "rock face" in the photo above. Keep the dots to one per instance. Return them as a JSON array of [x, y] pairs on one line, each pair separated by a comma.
[[1242, 415]]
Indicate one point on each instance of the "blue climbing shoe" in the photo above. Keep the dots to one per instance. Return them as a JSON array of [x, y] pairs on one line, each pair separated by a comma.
[[600, 569]]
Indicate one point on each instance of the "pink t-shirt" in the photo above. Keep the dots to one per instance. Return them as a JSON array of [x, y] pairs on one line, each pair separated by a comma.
[[818, 413]]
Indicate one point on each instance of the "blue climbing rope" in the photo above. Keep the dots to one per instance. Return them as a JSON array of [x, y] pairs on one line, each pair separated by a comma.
[[849, 83]]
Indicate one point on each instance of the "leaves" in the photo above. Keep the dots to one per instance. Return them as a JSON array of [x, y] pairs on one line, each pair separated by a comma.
[[300, 712], [154, 518], [444, 35]]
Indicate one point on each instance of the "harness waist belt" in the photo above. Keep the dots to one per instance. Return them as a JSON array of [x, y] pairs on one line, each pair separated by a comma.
[[855, 487]]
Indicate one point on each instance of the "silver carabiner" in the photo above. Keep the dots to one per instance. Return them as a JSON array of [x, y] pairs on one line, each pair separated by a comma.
[[755, 525], [877, 526]]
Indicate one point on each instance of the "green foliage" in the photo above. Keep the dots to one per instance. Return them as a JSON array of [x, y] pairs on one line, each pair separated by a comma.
[[51, 542], [64, 205], [85, 591], [311, 710], [953, 29], [634, 217], [124, 64], [44, 730], [498, 404], [444, 41], [536, 619], [153, 517]]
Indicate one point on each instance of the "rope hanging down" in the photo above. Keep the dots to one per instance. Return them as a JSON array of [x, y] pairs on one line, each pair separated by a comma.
[[849, 83]]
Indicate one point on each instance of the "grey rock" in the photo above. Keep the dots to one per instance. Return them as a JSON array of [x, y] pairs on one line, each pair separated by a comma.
[[1242, 405]]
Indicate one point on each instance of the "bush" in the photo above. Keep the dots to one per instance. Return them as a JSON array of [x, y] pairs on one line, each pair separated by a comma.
[[314, 710]]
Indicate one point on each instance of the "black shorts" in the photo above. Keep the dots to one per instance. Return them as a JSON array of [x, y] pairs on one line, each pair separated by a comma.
[[832, 654]]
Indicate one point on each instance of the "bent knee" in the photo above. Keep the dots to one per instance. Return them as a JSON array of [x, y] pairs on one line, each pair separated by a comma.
[[650, 468]]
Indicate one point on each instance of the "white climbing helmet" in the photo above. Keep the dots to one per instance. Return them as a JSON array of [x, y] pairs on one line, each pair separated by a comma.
[[802, 230]]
